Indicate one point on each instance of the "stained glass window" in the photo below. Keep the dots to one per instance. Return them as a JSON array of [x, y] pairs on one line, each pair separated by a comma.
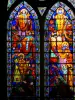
[[59, 49], [42, 10], [23, 53]]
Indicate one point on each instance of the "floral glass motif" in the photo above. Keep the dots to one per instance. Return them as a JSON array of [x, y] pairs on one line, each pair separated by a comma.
[[23, 51], [59, 48]]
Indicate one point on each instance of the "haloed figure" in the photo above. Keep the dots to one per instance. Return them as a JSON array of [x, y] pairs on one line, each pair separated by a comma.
[[60, 45]]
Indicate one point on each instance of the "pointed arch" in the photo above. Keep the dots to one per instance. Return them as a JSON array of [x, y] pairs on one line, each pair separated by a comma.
[[23, 51], [72, 2], [59, 43]]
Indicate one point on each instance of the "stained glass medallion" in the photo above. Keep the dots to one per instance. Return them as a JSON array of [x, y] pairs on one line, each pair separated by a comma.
[[23, 53], [42, 10], [59, 49]]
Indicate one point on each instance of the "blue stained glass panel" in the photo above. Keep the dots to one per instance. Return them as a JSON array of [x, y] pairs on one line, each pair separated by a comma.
[[37, 91], [28, 6], [34, 14], [46, 91]]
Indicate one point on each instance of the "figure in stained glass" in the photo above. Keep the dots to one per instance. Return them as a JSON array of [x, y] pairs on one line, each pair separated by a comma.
[[24, 48], [60, 39], [57, 38]]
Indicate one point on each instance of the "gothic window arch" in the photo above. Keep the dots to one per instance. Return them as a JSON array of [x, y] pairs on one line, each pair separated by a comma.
[[23, 51], [29, 61], [72, 2], [59, 48]]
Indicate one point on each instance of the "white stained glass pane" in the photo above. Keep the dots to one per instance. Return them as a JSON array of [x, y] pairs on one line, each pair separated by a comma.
[[72, 2]]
